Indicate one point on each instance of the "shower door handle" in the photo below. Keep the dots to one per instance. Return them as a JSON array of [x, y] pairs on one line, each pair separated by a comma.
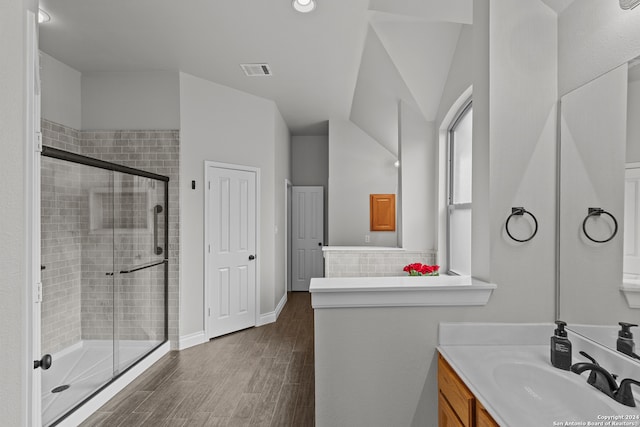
[[156, 210], [44, 363]]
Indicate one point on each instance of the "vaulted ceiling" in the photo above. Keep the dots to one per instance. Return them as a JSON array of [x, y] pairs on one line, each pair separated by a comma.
[[325, 64]]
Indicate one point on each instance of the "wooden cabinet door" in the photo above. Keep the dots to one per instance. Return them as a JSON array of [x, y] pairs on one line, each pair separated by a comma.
[[446, 416], [456, 393], [382, 212], [483, 419]]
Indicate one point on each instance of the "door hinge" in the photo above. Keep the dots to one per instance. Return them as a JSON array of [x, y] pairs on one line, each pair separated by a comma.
[[39, 142], [209, 185], [37, 297], [209, 312], [209, 249]]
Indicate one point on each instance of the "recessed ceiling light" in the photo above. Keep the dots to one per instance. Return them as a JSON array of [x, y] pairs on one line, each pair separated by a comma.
[[43, 17], [304, 6]]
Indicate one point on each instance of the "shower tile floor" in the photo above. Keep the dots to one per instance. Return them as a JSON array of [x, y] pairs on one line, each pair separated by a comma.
[[85, 368]]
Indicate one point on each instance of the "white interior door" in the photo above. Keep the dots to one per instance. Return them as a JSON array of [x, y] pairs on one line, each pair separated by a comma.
[[631, 263], [231, 249], [307, 235]]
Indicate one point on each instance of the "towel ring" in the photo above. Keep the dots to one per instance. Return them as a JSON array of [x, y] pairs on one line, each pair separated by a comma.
[[598, 212], [520, 212]]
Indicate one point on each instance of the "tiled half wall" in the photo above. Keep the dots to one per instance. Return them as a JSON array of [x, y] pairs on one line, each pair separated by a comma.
[[367, 263]]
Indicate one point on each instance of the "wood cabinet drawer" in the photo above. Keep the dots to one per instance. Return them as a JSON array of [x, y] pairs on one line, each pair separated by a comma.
[[455, 393], [483, 419], [446, 416]]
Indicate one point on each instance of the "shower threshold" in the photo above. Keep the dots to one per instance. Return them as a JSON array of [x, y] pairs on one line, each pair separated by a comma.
[[83, 368]]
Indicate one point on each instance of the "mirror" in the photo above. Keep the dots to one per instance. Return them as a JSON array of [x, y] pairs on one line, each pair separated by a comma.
[[599, 250]]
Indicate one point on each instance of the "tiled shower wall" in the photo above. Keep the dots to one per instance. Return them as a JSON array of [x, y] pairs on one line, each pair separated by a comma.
[[152, 151]]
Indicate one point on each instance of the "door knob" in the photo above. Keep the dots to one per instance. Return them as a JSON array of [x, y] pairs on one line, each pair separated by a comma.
[[319, 243], [44, 363], [252, 257]]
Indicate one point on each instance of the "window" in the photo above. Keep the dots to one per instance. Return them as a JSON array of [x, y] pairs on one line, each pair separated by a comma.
[[459, 192]]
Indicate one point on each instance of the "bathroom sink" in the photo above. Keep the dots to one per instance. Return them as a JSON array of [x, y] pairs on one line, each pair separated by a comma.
[[536, 389], [519, 387]]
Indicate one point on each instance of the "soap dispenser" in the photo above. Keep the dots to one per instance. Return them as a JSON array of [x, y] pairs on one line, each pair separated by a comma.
[[560, 347], [625, 342]]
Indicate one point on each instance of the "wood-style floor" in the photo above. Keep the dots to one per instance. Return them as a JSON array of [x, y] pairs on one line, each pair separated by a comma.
[[257, 377]]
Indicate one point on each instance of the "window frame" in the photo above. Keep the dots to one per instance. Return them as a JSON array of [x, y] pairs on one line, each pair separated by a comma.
[[466, 107]]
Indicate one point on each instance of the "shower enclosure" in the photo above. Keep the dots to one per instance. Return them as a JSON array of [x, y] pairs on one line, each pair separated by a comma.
[[104, 274]]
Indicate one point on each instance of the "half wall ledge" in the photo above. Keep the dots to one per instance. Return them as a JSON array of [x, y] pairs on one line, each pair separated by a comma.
[[406, 291]]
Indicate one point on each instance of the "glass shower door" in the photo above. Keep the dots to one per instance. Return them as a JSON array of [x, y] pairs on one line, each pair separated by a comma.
[[139, 253], [77, 280], [104, 274]]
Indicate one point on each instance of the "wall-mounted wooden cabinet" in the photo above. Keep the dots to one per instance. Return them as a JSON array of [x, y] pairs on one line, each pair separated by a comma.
[[457, 406], [382, 212]]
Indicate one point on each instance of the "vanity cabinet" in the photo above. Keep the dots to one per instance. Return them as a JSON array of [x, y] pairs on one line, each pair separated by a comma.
[[457, 406], [483, 419]]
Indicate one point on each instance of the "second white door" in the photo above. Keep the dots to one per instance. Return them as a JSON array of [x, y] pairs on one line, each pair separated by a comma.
[[307, 230], [231, 250]]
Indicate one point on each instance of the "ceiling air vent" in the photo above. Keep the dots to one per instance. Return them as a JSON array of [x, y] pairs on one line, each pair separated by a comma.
[[256, 70]]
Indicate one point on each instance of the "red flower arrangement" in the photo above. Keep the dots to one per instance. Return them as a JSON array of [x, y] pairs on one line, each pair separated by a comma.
[[418, 269]]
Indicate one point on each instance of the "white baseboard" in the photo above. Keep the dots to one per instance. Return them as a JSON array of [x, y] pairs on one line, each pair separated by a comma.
[[86, 410], [191, 340], [280, 305], [273, 315]]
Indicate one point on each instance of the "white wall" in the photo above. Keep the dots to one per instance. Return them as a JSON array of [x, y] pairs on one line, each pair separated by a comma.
[[481, 150], [358, 166], [457, 89], [109, 100], [419, 170], [221, 124], [61, 98], [522, 134], [594, 36], [14, 257], [460, 74], [130, 100], [282, 167], [374, 107], [382, 361]]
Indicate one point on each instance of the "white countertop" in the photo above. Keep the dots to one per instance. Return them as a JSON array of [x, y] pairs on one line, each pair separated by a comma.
[[514, 380], [360, 248], [401, 291]]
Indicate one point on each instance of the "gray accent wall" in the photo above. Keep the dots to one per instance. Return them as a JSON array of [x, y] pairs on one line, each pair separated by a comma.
[[310, 160], [310, 167]]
